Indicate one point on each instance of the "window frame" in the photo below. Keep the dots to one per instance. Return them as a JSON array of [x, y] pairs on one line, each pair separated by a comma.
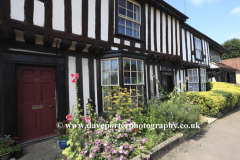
[[213, 52], [195, 50], [110, 71], [193, 82], [142, 20], [205, 83]]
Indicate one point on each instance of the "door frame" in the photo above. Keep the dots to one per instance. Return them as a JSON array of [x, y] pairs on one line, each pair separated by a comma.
[[166, 74], [10, 61]]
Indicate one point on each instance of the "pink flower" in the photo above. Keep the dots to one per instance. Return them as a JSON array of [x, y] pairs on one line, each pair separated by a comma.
[[88, 120], [73, 80], [118, 118], [76, 76], [72, 75], [69, 117]]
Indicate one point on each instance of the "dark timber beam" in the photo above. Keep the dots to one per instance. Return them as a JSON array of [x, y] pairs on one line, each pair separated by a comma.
[[7, 32], [80, 46], [65, 44], [48, 40], [94, 48], [29, 37]]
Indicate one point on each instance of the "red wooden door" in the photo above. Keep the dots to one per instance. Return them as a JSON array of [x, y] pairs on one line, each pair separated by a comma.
[[36, 108]]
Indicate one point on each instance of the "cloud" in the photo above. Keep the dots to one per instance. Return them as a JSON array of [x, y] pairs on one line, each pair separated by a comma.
[[199, 2], [236, 11], [235, 35]]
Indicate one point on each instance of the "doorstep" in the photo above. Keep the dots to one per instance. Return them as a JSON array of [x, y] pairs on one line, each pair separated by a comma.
[[44, 149]]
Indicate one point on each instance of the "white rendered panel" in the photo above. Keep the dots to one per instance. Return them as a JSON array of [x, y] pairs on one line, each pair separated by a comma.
[[158, 30], [85, 77], [17, 9], [71, 85], [156, 76], [146, 80], [39, 13], [114, 48], [193, 50], [91, 18], [95, 85], [178, 38], [178, 89], [104, 19], [169, 35], [152, 29], [77, 17], [189, 47], [174, 37], [126, 42], [183, 45], [138, 45], [151, 79], [117, 40], [164, 32], [58, 15], [181, 75], [146, 25]]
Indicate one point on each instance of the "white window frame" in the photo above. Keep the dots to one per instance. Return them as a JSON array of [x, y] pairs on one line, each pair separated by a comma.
[[190, 83], [197, 48], [203, 79], [125, 17], [109, 72]]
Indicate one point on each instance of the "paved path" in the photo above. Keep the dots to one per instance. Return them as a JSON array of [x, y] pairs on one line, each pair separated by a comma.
[[218, 141]]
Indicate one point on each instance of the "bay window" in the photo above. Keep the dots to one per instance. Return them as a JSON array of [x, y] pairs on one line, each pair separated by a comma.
[[132, 79]]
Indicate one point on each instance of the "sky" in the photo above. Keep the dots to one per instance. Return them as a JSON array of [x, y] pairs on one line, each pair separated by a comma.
[[218, 19]]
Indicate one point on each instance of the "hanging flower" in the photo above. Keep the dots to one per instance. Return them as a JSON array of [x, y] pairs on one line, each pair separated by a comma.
[[69, 117], [72, 75], [73, 80], [76, 76]]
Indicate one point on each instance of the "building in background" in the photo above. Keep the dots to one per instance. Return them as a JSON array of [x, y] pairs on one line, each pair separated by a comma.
[[235, 63]]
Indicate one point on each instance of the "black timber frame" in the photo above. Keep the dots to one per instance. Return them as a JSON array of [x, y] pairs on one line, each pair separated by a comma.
[[11, 59]]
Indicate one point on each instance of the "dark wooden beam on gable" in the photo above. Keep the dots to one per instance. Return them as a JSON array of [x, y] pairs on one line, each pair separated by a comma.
[[80, 46], [98, 19], [28, 11], [111, 19], [167, 33], [94, 48], [48, 40], [85, 18], [68, 16], [29, 37], [7, 32], [5, 8], [155, 30], [65, 44], [48, 13]]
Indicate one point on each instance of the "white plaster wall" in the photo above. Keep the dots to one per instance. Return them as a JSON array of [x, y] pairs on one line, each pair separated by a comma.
[[91, 18], [127, 43], [114, 48], [189, 47], [192, 45], [138, 45], [85, 77], [146, 73], [178, 89], [58, 15], [183, 45], [17, 9], [158, 30], [146, 25], [77, 17], [212, 65], [72, 91], [178, 38], [156, 76], [181, 75], [169, 35], [164, 31], [95, 85], [174, 37], [117, 40], [152, 29], [38, 13], [104, 19]]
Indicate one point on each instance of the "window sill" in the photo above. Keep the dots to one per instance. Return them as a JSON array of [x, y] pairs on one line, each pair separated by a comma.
[[125, 37]]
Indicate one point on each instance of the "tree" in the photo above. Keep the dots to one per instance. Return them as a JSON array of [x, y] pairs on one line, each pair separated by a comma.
[[233, 46]]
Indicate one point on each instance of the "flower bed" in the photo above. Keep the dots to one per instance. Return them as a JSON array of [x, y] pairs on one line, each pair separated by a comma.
[[222, 97], [125, 143]]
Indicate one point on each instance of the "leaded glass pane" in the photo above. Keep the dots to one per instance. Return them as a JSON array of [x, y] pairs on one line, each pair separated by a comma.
[[105, 78], [105, 66]]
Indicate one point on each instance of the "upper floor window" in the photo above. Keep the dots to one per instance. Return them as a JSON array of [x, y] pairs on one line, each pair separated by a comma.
[[129, 18], [198, 48], [215, 57]]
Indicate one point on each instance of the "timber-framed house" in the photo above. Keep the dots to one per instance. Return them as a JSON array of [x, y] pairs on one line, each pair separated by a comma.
[[108, 42]]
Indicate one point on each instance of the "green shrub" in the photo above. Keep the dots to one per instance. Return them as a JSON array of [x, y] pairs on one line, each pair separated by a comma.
[[223, 97]]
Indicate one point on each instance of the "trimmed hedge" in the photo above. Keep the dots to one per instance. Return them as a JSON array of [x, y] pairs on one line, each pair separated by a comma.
[[222, 97]]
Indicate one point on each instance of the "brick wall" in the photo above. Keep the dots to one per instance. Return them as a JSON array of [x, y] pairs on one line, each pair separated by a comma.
[[235, 63]]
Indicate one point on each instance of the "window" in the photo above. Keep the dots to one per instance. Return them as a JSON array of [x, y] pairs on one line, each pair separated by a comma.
[[193, 83], [203, 79], [109, 80], [215, 57], [133, 78], [198, 48], [129, 18]]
